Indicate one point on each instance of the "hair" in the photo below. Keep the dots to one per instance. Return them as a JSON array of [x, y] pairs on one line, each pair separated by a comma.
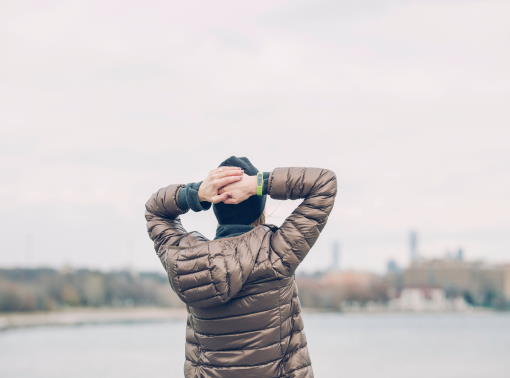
[[261, 219]]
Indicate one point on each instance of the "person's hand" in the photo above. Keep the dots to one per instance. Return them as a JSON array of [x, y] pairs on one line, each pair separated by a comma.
[[215, 180], [240, 190]]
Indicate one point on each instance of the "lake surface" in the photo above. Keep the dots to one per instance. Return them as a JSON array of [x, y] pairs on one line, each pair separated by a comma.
[[352, 345]]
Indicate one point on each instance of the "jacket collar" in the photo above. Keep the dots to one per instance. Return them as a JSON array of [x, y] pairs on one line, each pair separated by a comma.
[[227, 230]]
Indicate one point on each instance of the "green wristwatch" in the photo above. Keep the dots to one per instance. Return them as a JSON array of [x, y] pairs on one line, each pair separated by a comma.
[[260, 183]]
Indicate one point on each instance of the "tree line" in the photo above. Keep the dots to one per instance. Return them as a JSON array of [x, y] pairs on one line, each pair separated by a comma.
[[43, 289]]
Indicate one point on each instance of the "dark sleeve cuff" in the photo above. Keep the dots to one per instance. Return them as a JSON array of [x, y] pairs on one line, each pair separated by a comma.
[[188, 198], [265, 175]]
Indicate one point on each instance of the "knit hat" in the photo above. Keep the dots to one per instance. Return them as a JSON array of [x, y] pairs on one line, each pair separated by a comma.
[[244, 212]]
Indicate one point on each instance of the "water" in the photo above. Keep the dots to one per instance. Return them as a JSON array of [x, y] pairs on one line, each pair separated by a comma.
[[355, 346]]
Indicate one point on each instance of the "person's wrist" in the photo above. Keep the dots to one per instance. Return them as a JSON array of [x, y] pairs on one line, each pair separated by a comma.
[[201, 194], [253, 185]]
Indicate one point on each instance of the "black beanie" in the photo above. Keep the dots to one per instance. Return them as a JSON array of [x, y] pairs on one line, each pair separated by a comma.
[[244, 212]]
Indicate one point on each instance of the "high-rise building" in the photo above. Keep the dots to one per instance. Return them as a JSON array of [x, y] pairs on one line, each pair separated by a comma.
[[413, 246]]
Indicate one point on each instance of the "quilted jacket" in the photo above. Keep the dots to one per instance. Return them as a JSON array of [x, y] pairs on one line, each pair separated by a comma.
[[244, 315]]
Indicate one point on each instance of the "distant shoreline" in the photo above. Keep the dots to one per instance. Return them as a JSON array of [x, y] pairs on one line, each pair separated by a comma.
[[87, 316], [110, 315]]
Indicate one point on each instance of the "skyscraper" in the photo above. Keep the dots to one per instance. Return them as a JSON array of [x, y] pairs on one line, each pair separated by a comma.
[[335, 256], [413, 246]]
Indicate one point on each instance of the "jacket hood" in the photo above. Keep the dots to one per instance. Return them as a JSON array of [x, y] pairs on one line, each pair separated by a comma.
[[207, 272]]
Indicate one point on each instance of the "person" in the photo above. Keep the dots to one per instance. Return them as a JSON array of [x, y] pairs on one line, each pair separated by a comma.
[[243, 310]]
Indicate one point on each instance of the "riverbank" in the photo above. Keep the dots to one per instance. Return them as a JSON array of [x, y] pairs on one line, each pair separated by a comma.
[[108, 315], [82, 316]]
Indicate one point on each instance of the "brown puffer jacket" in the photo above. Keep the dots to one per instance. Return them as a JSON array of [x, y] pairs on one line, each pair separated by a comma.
[[244, 315]]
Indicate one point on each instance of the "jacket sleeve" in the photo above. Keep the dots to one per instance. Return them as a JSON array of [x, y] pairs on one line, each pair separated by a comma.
[[163, 208], [162, 215], [300, 230]]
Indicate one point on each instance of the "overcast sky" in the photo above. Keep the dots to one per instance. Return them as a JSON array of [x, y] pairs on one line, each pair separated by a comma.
[[104, 102]]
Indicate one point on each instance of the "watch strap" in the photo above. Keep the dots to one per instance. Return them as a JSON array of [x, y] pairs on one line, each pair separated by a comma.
[[260, 183]]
